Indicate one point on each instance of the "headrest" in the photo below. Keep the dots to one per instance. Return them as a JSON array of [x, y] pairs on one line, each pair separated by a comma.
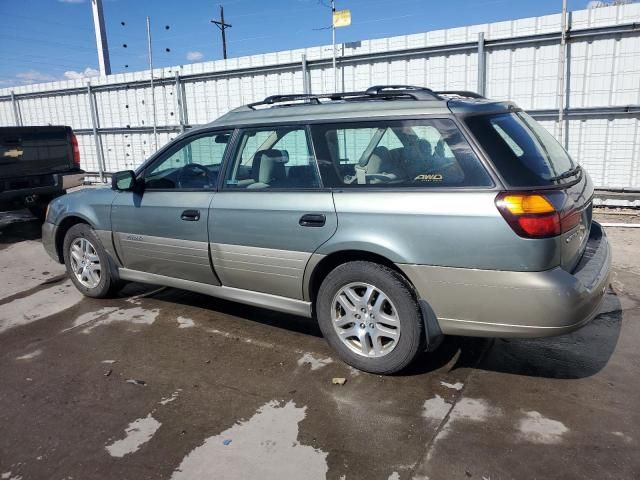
[[382, 152], [268, 165]]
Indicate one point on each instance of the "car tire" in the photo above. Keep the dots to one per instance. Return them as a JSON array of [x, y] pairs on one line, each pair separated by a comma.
[[38, 210], [369, 315], [90, 267]]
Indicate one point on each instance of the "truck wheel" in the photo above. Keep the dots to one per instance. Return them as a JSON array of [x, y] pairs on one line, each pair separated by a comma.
[[39, 208], [369, 315], [88, 264]]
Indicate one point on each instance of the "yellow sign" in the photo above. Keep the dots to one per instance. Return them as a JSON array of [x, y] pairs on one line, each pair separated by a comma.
[[341, 18], [15, 153]]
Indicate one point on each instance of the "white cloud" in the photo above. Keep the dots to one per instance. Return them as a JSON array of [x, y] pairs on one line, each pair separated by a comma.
[[195, 56], [87, 73], [29, 77], [34, 76]]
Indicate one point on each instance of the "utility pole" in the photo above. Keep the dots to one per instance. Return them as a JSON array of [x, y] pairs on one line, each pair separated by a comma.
[[222, 26], [101, 38], [333, 42]]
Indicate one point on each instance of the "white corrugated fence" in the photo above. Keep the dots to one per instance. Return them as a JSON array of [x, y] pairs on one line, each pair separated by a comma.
[[519, 62]]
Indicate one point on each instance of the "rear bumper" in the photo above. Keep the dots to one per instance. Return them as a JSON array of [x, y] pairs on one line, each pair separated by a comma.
[[43, 185], [491, 303]]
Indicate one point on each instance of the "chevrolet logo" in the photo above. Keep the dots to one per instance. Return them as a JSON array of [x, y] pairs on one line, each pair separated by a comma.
[[15, 153]]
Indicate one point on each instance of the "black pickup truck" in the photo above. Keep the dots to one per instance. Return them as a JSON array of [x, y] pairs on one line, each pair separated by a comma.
[[37, 164]]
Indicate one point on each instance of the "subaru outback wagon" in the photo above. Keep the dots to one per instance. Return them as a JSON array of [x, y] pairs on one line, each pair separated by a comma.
[[392, 216]]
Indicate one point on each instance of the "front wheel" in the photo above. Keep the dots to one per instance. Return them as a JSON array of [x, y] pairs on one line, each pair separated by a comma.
[[88, 264], [369, 314]]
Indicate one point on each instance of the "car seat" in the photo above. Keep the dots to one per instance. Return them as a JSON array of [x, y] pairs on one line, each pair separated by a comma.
[[268, 168]]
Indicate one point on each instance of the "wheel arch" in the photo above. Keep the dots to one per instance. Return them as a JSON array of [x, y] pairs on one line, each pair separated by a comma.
[[63, 227], [324, 265]]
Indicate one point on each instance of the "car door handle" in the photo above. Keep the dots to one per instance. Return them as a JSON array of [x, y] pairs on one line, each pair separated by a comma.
[[190, 215], [313, 220]]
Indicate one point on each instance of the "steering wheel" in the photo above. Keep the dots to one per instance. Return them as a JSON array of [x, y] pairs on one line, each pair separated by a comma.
[[194, 173]]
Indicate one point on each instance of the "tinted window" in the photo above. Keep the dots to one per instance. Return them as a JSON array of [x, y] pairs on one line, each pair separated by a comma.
[[522, 150], [415, 153], [273, 158], [194, 163]]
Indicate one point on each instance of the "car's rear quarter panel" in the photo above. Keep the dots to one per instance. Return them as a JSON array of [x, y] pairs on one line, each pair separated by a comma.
[[443, 228]]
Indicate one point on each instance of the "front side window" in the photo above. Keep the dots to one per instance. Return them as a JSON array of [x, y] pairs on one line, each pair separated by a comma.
[[279, 157], [524, 153], [194, 164], [402, 153]]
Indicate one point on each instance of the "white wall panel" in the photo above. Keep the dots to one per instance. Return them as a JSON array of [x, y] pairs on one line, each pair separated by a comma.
[[6, 113]]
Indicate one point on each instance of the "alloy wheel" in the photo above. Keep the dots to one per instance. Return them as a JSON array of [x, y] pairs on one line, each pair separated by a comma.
[[85, 262], [365, 319]]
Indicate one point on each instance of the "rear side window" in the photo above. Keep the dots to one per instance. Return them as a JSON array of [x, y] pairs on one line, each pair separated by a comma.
[[524, 153], [273, 158], [397, 153]]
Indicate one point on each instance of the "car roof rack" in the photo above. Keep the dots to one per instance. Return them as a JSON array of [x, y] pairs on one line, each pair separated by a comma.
[[378, 92], [417, 93], [459, 93]]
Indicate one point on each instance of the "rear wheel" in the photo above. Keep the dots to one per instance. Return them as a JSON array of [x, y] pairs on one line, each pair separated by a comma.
[[369, 315], [38, 207], [88, 264]]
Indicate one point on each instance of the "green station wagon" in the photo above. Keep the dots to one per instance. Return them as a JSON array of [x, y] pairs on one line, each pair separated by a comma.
[[392, 216]]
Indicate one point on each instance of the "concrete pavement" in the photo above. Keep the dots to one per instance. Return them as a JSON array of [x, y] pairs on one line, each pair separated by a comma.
[[161, 383]]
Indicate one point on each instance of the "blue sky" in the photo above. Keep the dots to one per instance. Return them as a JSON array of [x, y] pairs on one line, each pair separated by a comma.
[[47, 40]]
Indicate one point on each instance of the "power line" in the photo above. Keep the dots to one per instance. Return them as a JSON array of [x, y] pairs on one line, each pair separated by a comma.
[[48, 42], [18, 60]]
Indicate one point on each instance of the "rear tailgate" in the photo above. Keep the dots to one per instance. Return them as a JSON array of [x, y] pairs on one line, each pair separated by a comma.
[[533, 164], [26, 151], [579, 202]]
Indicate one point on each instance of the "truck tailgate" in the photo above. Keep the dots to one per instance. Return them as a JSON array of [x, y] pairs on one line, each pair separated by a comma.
[[28, 151]]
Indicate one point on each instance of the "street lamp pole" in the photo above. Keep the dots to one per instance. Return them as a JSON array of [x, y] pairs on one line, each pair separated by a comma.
[[153, 95], [333, 42]]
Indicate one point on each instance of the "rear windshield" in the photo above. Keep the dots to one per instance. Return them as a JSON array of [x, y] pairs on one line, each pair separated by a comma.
[[525, 154]]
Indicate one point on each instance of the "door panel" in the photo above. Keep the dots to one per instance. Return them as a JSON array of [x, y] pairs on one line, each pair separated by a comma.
[[151, 235], [257, 242], [163, 230]]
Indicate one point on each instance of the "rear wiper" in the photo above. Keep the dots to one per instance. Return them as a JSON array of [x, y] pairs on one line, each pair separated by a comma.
[[567, 174]]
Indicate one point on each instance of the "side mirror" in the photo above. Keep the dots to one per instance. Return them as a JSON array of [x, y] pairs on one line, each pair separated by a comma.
[[124, 181]]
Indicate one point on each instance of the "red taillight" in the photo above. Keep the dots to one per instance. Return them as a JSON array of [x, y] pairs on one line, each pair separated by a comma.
[[540, 226], [76, 150], [537, 215]]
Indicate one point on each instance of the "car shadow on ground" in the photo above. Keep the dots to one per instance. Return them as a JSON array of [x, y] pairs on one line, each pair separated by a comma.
[[580, 354], [17, 226], [247, 313]]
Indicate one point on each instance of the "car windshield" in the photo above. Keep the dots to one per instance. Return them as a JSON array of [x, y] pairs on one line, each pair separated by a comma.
[[524, 152]]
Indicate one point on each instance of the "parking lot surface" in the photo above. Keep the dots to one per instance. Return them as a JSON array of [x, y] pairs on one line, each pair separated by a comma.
[[165, 384]]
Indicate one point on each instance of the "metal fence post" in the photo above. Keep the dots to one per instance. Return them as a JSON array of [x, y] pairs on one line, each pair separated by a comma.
[[16, 112], [482, 66], [306, 84], [96, 134], [180, 103], [562, 59]]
